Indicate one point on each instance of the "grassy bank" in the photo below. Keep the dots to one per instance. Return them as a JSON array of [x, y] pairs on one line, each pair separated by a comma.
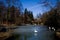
[[16, 36]]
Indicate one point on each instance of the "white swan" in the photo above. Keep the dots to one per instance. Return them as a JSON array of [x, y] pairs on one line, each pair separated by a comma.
[[35, 31]]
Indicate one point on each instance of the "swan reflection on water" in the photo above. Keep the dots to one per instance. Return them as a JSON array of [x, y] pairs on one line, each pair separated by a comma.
[[35, 32]]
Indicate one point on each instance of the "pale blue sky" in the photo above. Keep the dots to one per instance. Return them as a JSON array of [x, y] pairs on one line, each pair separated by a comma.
[[35, 7]]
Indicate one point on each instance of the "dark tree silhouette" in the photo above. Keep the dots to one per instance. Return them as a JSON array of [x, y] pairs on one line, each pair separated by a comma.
[[28, 16], [53, 15]]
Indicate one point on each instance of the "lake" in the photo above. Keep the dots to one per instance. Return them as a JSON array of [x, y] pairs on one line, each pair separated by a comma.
[[34, 32]]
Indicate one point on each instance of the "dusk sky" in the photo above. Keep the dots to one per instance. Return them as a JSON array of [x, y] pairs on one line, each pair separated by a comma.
[[35, 6]]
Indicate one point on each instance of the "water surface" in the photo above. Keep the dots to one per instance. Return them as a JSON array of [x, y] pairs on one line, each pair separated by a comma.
[[33, 32]]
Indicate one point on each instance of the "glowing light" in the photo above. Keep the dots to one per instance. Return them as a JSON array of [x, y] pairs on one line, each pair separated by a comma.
[[35, 31]]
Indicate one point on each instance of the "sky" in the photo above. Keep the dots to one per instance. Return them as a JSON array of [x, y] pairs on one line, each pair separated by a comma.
[[36, 7], [33, 6]]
